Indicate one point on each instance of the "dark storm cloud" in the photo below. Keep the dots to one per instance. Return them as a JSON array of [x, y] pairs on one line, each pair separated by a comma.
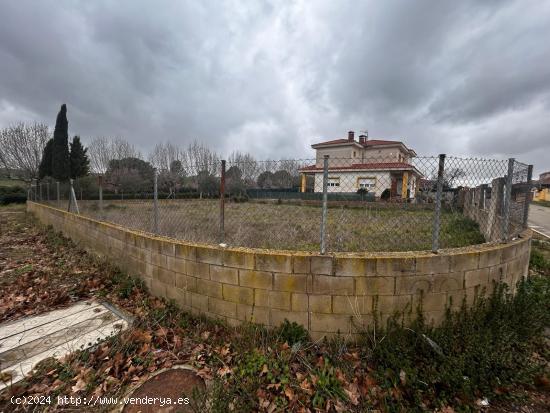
[[272, 77]]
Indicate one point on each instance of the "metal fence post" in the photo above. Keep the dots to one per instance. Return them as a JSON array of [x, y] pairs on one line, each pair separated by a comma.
[[527, 200], [58, 195], [155, 203], [507, 200], [40, 186], [48, 191], [100, 184], [222, 203], [437, 212], [324, 210], [73, 198]]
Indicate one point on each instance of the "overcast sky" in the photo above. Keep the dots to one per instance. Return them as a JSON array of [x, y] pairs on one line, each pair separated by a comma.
[[272, 77]]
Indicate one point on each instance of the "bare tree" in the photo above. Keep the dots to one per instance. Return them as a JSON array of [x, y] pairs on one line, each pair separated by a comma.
[[247, 164], [102, 150], [197, 158], [21, 147], [164, 155]]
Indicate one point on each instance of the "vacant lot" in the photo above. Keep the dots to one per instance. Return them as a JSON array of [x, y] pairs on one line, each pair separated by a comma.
[[367, 227]]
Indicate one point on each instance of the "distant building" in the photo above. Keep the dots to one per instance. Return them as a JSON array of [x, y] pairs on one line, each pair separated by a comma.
[[544, 178], [373, 164]]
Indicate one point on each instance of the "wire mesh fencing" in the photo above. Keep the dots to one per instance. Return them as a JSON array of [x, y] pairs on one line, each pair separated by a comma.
[[328, 204]]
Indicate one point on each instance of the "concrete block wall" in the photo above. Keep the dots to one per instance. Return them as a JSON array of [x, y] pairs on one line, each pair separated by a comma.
[[330, 294]]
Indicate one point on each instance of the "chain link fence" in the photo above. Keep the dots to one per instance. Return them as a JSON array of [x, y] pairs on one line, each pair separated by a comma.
[[325, 204]]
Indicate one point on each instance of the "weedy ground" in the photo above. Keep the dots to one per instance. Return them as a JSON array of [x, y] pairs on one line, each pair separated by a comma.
[[495, 351]]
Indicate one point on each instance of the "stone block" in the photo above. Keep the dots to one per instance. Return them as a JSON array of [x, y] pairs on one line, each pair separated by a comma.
[[179, 296], [354, 267], [238, 259], [321, 265], [224, 275], [197, 269], [199, 302], [490, 258], [464, 262], [330, 323], [326, 284], [256, 279], [473, 278], [375, 285], [167, 248], [301, 264], [448, 282], [292, 282], [253, 314], [222, 308], [238, 294], [209, 288], [209, 255], [279, 300], [437, 264], [166, 276], [185, 252], [393, 266], [279, 316], [185, 282], [274, 262], [352, 305], [430, 301], [299, 302], [158, 288], [320, 304]]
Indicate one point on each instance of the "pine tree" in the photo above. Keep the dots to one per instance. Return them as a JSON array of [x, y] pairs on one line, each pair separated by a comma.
[[60, 147], [45, 168], [80, 164]]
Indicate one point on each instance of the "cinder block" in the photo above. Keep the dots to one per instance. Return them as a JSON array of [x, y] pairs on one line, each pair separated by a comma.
[[197, 269], [177, 265], [279, 300], [238, 294], [261, 298], [238, 259], [326, 284], [292, 282], [186, 252], [301, 264], [222, 308], [158, 288], [167, 248], [434, 317], [448, 282], [354, 267], [391, 304], [274, 262], [279, 316], [464, 262], [320, 304], [178, 295], [209, 255], [253, 314], [393, 266], [473, 278], [256, 279], [185, 282], [490, 257], [321, 265], [352, 305], [166, 276], [430, 301], [159, 259], [375, 285], [509, 252], [299, 302], [498, 273], [209, 288], [438, 264], [224, 275], [199, 302], [330, 323]]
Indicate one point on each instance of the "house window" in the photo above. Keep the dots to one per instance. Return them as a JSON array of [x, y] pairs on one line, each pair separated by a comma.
[[354, 154], [366, 183], [333, 181]]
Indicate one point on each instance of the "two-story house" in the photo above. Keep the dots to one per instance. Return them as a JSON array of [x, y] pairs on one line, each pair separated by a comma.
[[372, 164]]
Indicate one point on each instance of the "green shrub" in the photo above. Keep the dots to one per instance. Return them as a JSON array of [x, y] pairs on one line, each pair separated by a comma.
[[12, 195], [292, 333]]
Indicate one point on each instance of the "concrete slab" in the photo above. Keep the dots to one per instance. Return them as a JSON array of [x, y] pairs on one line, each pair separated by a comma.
[[26, 342]]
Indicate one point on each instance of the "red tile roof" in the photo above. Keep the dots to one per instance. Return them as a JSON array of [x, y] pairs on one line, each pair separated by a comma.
[[363, 166]]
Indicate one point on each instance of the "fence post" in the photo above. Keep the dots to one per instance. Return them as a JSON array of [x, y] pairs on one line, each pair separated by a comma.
[[527, 200], [324, 210], [58, 195], [222, 203], [437, 211], [40, 189], [507, 200], [72, 198], [155, 202], [48, 191], [100, 184]]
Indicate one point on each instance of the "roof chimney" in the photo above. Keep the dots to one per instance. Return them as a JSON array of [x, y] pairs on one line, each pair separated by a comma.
[[351, 136], [363, 139]]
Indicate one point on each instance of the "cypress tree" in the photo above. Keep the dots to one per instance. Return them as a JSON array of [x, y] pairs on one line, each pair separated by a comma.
[[80, 164], [45, 167], [60, 149]]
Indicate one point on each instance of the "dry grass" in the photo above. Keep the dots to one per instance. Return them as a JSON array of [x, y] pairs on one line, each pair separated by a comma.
[[371, 227]]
